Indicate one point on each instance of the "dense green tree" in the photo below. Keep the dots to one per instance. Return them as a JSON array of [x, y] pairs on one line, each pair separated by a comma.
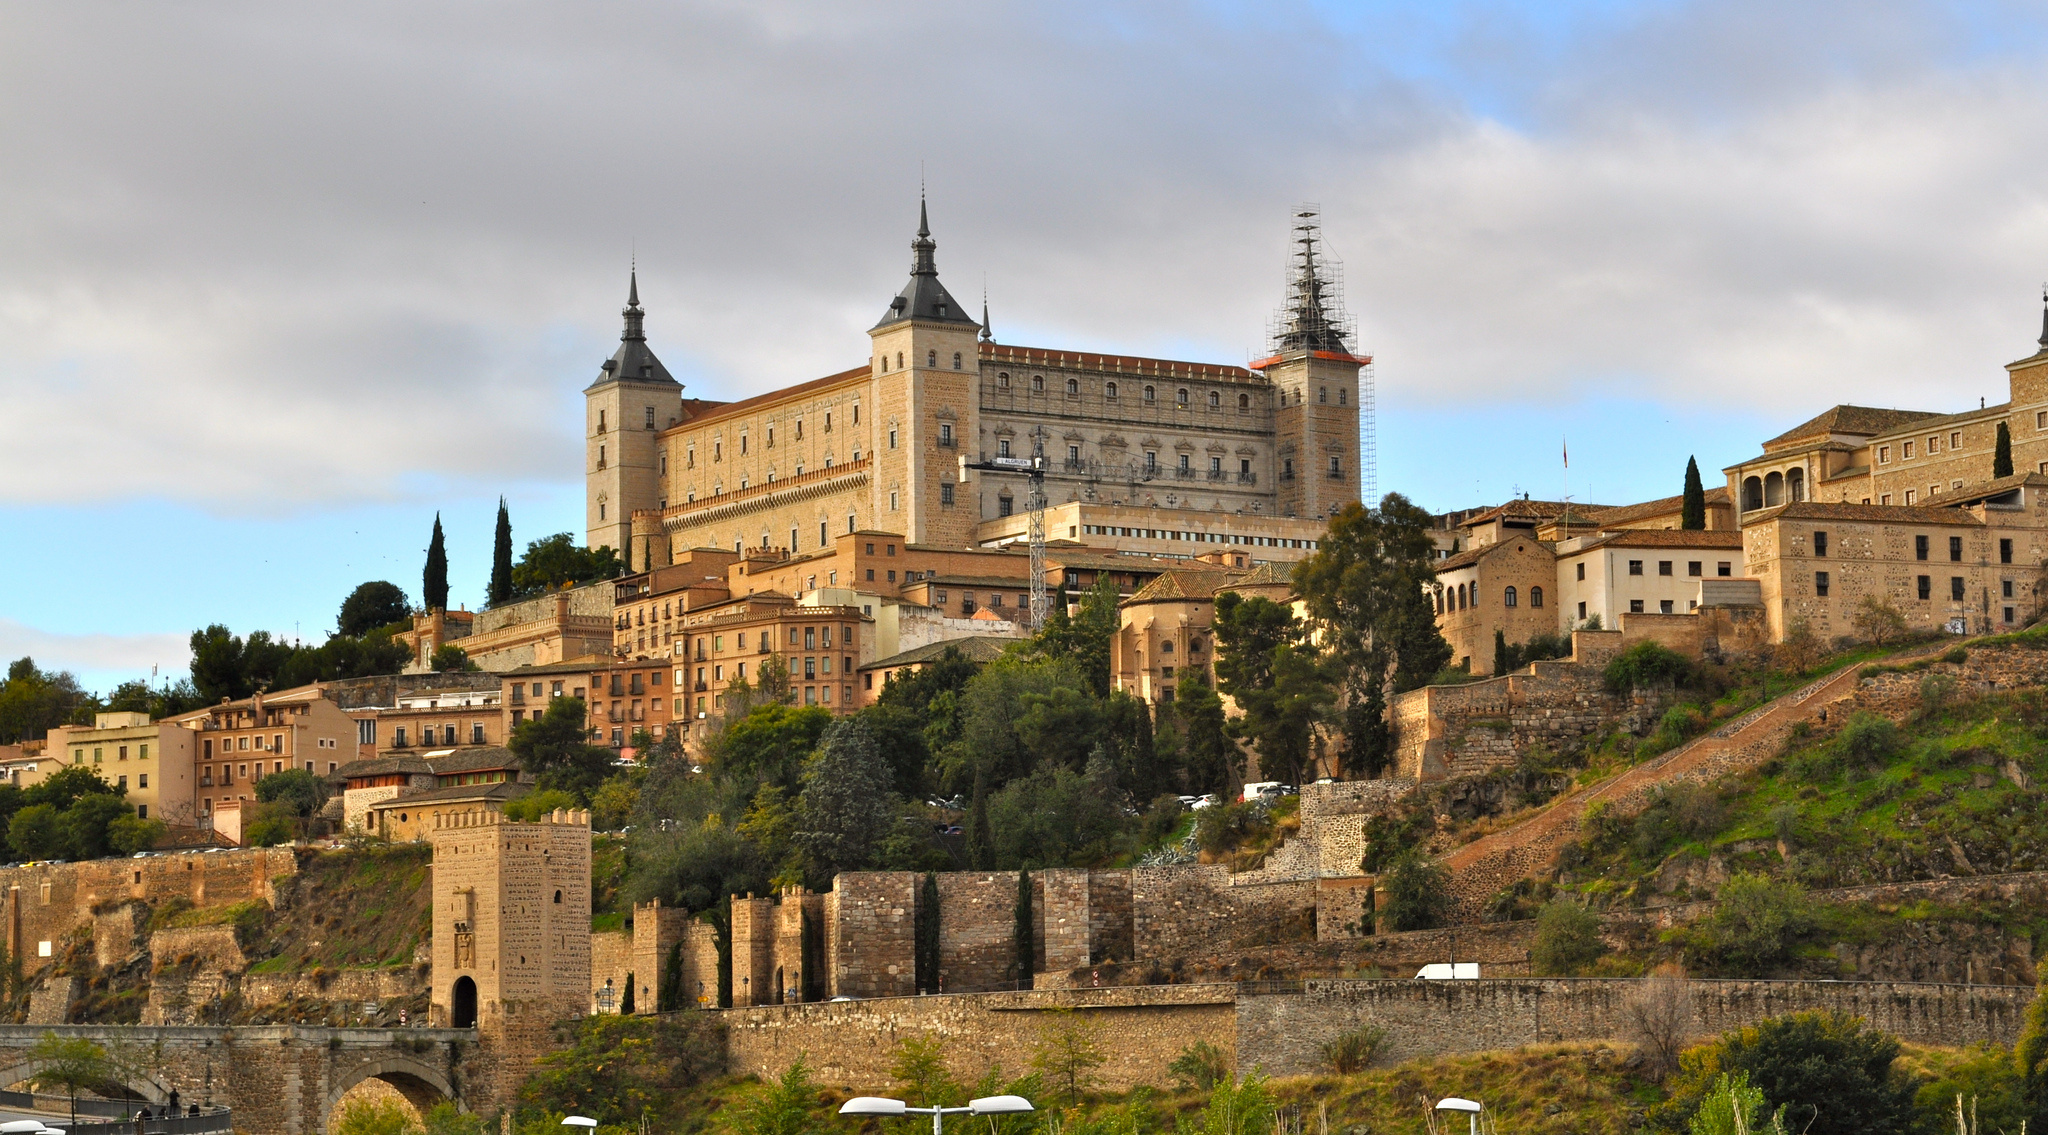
[[1367, 589], [1567, 939], [2001, 455], [1012, 706], [555, 749], [1502, 654], [67, 786], [771, 743], [1831, 1073], [225, 665], [787, 1105], [434, 580], [1055, 818], [501, 558], [1264, 662], [167, 700], [32, 700], [847, 806], [554, 562], [304, 792], [1692, 509], [127, 835], [1418, 893], [1085, 637], [1207, 753], [84, 824], [34, 833], [370, 606]]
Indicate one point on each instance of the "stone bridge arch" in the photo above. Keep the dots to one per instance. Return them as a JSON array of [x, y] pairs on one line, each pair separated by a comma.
[[422, 1084], [142, 1084]]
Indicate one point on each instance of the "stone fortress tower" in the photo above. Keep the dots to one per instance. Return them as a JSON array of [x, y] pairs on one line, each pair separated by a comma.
[[632, 399], [1323, 459], [511, 936]]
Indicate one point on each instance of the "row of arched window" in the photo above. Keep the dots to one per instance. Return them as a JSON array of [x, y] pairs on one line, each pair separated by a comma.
[[1182, 397], [1466, 595], [931, 359]]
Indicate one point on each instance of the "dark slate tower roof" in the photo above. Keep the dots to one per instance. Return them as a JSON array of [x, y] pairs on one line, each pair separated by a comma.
[[633, 360], [924, 297]]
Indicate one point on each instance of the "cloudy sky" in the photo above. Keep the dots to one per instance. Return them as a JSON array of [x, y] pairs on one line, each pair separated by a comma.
[[280, 281]]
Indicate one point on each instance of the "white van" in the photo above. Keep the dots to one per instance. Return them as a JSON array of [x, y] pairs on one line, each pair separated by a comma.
[[1256, 789], [1449, 971]]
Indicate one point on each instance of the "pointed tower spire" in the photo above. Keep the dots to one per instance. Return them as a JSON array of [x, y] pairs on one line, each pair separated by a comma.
[[2044, 318], [633, 332], [923, 249], [987, 336], [924, 297]]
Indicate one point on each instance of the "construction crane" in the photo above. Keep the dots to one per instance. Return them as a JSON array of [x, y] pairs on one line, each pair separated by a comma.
[[1033, 469]]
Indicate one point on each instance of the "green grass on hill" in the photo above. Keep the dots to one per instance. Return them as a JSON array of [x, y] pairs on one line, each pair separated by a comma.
[[358, 908]]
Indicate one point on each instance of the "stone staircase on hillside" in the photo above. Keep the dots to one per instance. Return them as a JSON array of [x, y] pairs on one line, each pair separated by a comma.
[[1480, 869]]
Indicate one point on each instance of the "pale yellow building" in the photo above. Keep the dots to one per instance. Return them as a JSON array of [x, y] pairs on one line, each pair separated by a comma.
[[150, 762]]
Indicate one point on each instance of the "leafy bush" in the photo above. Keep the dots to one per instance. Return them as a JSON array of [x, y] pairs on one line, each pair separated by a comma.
[[1732, 1107], [1567, 939], [1648, 664], [1878, 621], [1199, 1067], [1956, 656], [619, 1068], [1936, 691], [531, 807], [1990, 1085], [1756, 922], [1418, 893], [1352, 1051], [1871, 741], [1833, 1076]]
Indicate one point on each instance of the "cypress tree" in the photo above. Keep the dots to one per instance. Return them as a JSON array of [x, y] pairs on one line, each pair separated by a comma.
[[2001, 458], [626, 1002], [1027, 958], [501, 558], [435, 582], [928, 935], [981, 851], [1501, 662], [1693, 513], [670, 994]]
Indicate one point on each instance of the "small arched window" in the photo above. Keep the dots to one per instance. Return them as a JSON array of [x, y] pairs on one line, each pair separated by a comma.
[[1244, 403], [1535, 597], [899, 360], [1461, 597], [1003, 379], [956, 360], [1180, 397], [931, 358], [1215, 400], [1109, 390], [1508, 598], [1150, 394], [1073, 386], [1038, 383], [558, 896]]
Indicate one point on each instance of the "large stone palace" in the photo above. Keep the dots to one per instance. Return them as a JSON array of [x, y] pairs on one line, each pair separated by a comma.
[[1271, 448]]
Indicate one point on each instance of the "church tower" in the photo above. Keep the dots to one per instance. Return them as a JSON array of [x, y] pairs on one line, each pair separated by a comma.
[[927, 373], [1320, 454], [632, 399]]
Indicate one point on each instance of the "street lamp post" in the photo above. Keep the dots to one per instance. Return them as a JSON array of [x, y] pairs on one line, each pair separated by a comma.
[[1471, 1108], [986, 1105]]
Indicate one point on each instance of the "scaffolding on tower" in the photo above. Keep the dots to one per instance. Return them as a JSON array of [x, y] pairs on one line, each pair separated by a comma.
[[1314, 318]]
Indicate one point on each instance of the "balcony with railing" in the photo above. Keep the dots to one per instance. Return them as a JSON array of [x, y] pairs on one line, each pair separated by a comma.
[[1247, 478]]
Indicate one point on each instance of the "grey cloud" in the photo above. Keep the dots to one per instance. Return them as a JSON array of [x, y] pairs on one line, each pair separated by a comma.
[[270, 256]]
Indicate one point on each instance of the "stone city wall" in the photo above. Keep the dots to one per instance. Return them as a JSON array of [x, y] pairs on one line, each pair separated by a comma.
[[44, 904], [1140, 1029], [1284, 1034]]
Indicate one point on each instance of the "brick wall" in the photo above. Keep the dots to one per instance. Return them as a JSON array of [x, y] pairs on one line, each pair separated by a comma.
[[978, 925], [43, 904], [871, 932]]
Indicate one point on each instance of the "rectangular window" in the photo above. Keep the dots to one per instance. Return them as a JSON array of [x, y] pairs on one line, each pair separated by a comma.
[[2041, 419], [1919, 547], [1955, 441], [1955, 588], [1955, 549], [2005, 551], [1663, 567], [142, 780], [1694, 569], [1926, 586], [1582, 571], [945, 494], [1905, 451], [1911, 495], [2005, 589], [1820, 584], [1664, 607], [1820, 544], [2008, 614], [1724, 568], [1885, 499], [1884, 455], [1635, 567], [1635, 606], [1582, 611]]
